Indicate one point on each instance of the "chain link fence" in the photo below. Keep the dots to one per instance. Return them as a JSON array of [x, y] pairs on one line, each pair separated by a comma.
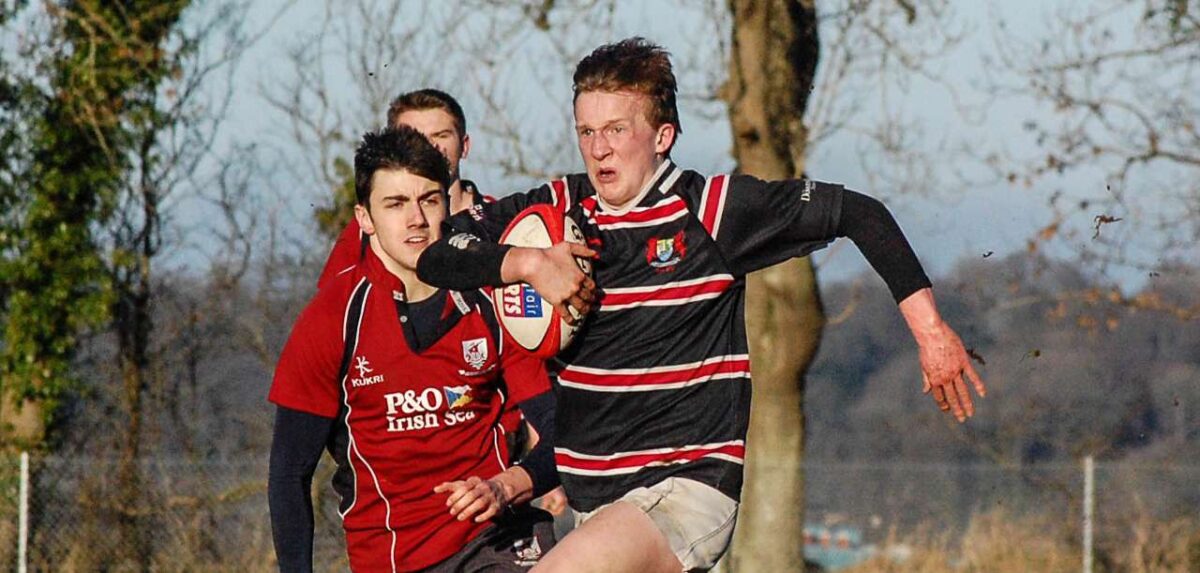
[[173, 514]]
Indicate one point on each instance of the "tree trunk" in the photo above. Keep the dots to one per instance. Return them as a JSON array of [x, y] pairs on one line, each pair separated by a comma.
[[772, 61]]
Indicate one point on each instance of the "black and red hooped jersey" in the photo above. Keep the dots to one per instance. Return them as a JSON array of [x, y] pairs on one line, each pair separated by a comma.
[[406, 420], [657, 383]]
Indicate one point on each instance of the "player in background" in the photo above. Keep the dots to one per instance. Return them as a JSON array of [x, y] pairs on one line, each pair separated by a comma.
[[440, 118], [654, 400], [403, 384]]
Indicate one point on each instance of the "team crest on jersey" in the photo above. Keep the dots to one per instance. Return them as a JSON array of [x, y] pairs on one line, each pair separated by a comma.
[[664, 253], [457, 396], [475, 352]]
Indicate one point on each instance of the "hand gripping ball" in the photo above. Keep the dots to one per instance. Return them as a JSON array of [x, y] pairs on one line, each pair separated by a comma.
[[529, 319]]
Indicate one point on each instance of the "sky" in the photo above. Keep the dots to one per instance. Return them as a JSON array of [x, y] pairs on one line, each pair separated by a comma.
[[949, 205]]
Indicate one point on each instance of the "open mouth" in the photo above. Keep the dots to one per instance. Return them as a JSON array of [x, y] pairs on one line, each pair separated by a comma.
[[606, 175], [416, 240]]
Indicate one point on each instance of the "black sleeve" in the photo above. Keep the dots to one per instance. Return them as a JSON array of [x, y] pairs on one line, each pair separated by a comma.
[[539, 462], [875, 231], [759, 223], [467, 257], [296, 446]]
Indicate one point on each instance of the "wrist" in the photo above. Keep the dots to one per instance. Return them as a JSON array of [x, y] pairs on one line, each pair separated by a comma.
[[515, 485], [519, 264], [921, 314]]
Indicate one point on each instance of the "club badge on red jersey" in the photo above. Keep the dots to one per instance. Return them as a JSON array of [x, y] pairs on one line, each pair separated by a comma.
[[475, 352], [664, 253]]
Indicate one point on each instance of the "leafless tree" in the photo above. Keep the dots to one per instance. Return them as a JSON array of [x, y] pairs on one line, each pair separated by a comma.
[[1113, 87]]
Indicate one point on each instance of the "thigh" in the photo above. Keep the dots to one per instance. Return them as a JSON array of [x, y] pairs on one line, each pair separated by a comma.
[[617, 538]]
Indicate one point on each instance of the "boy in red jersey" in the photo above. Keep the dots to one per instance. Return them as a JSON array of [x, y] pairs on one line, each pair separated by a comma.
[[401, 383]]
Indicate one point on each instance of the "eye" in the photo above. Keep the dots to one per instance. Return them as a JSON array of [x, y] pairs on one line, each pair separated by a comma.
[[586, 132]]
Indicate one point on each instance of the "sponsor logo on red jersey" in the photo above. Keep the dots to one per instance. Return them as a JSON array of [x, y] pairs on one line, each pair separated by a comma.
[[419, 410]]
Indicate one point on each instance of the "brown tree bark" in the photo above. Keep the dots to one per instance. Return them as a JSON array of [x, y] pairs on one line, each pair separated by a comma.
[[773, 58]]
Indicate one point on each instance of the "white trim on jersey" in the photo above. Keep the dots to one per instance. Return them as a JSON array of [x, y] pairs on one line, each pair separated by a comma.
[[711, 213], [671, 209], [351, 446], [496, 440], [345, 389], [572, 462], [669, 182], [672, 377]]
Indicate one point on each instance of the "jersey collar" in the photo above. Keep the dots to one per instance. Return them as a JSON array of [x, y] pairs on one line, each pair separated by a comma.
[[663, 179], [381, 277]]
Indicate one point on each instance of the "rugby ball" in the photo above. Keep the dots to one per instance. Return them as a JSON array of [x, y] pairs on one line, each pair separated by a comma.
[[529, 319]]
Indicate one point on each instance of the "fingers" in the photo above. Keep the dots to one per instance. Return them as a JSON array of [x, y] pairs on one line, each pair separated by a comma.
[[473, 497], [582, 251], [952, 397], [567, 310], [459, 490], [579, 304], [964, 397], [925, 386], [973, 376], [939, 396], [587, 289]]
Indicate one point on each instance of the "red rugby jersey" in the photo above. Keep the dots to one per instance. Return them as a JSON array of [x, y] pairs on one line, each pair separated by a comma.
[[407, 421]]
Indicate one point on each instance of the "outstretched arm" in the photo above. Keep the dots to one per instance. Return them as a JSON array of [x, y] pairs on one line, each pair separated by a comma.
[[759, 223], [945, 365]]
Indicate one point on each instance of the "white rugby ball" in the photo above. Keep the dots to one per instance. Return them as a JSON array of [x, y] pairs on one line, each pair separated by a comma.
[[529, 319]]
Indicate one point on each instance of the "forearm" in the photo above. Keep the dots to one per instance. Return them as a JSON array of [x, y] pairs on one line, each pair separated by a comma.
[[462, 262], [878, 236], [295, 450], [539, 462]]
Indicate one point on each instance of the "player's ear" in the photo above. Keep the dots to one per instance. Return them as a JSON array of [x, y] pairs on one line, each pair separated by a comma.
[[363, 216], [466, 146], [664, 139]]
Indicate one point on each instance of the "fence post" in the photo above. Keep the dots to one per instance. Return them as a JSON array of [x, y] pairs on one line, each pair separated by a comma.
[[1089, 490], [23, 516]]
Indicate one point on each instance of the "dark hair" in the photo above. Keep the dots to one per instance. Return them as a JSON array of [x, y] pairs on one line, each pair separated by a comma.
[[428, 99], [637, 65], [400, 148]]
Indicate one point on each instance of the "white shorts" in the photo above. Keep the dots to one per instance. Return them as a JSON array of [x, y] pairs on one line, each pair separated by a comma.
[[696, 519]]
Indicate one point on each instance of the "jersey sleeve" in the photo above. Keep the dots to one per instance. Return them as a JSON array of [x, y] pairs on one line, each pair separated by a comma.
[[487, 220], [758, 223], [347, 251], [306, 376]]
